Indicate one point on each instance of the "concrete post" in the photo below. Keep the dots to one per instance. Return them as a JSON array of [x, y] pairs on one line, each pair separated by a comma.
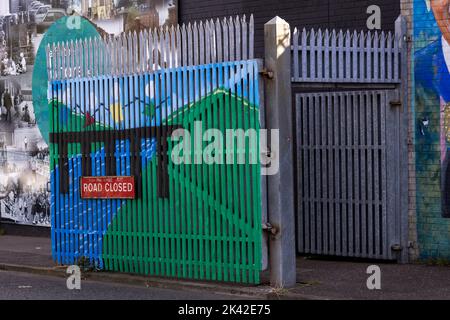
[[282, 250]]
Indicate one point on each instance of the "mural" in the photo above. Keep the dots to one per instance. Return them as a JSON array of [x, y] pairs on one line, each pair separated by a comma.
[[189, 220], [26, 26], [432, 113], [117, 16], [24, 158]]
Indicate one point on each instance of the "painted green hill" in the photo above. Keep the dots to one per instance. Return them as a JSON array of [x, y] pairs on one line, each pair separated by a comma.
[[210, 226]]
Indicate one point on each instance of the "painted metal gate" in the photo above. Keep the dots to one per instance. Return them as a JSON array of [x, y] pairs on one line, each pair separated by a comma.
[[351, 157], [189, 219], [348, 173]]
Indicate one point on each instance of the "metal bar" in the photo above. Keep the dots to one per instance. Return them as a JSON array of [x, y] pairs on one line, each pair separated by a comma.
[[357, 98], [324, 172], [363, 137], [350, 177]]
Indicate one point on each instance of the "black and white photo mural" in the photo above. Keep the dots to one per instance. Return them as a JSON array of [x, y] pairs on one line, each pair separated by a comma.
[[24, 153], [117, 16], [24, 157]]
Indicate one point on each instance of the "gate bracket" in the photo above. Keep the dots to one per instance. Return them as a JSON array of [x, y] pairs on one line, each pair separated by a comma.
[[267, 74], [396, 247], [395, 103], [267, 156], [269, 228]]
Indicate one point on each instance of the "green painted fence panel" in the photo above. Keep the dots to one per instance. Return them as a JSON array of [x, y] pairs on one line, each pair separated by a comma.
[[190, 137]]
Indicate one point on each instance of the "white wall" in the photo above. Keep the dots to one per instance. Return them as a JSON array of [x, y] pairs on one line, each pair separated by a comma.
[[4, 7]]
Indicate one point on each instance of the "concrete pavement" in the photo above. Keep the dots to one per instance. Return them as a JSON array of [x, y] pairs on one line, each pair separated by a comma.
[[26, 251]]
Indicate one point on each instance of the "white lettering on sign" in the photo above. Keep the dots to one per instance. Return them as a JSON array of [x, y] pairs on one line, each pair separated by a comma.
[[107, 187], [118, 187]]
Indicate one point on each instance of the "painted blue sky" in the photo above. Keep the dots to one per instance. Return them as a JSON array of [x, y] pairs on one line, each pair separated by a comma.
[[425, 27]]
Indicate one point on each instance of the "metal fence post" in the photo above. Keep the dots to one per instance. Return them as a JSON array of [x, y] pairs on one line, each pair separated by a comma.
[[401, 33], [282, 251]]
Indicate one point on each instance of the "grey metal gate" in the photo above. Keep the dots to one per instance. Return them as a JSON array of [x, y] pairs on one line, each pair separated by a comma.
[[351, 159], [348, 169]]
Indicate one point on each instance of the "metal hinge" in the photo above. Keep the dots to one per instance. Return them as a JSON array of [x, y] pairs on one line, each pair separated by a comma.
[[266, 156], [396, 247], [266, 73], [395, 103], [267, 227]]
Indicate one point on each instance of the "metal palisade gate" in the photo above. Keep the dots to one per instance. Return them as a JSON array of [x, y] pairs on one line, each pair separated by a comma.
[[192, 219], [149, 50], [346, 57], [346, 168], [350, 132]]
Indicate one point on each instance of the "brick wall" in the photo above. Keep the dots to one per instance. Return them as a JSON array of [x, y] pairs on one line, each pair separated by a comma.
[[428, 127], [345, 14], [407, 12]]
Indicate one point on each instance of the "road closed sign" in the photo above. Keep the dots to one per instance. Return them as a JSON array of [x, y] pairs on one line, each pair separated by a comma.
[[108, 188]]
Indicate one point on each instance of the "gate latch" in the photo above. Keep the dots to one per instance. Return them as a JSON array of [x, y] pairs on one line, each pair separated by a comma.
[[396, 247], [269, 228], [395, 104], [267, 74], [266, 156]]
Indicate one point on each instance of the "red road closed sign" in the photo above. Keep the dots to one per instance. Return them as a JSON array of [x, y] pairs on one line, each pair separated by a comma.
[[108, 188]]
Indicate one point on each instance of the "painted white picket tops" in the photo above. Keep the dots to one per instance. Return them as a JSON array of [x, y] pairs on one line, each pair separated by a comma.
[[204, 42], [346, 56]]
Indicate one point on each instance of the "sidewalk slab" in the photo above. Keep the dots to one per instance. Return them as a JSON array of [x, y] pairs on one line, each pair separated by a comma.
[[26, 251], [348, 280]]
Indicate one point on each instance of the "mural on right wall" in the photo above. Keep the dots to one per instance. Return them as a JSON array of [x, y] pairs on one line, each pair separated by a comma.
[[432, 113]]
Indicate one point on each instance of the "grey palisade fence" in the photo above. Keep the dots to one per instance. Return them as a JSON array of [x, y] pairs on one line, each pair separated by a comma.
[[185, 45], [344, 56], [350, 137]]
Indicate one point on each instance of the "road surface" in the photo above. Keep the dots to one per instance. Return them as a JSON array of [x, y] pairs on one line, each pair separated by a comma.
[[20, 286]]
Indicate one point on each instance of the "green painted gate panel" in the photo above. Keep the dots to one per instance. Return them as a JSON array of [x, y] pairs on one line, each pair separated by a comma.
[[198, 219]]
